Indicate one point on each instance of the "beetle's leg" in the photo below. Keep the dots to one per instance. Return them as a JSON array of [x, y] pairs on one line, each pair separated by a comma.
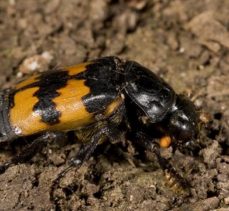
[[169, 170], [117, 136], [83, 155], [30, 150]]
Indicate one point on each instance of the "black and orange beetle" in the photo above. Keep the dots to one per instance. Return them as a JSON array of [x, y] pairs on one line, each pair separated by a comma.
[[94, 99]]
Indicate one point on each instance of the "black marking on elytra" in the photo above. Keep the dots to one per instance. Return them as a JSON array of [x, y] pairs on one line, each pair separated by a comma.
[[100, 76], [102, 79], [48, 83]]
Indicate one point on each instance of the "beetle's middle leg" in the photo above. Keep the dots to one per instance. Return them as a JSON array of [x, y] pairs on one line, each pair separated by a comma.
[[106, 128], [85, 152], [31, 150]]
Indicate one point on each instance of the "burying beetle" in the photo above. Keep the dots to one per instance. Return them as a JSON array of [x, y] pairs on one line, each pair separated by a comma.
[[94, 99]]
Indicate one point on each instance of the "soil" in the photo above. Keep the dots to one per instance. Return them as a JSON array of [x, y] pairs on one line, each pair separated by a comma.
[[185, 42]]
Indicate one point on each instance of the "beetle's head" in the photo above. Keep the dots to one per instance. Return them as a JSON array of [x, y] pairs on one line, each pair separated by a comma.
[[182, 122]]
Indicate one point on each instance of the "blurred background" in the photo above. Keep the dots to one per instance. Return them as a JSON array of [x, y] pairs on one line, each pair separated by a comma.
[[185, 42]]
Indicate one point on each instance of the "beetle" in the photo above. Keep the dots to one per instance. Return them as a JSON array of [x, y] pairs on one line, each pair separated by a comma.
[[94, 99]]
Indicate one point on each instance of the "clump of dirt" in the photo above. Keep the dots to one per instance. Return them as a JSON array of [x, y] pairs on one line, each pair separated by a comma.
[[185, 42]]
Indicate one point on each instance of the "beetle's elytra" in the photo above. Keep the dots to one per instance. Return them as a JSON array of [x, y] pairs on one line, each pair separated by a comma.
[[96, 96]]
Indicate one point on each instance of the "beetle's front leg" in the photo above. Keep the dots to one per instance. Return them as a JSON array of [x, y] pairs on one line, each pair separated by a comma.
[[171, 173], [30, 150]]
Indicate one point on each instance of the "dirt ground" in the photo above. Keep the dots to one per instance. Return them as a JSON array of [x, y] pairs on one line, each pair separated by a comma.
[[185, 42]]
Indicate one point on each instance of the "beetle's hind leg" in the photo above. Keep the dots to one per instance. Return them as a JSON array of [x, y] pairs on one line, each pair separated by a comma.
[[30, 150]]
